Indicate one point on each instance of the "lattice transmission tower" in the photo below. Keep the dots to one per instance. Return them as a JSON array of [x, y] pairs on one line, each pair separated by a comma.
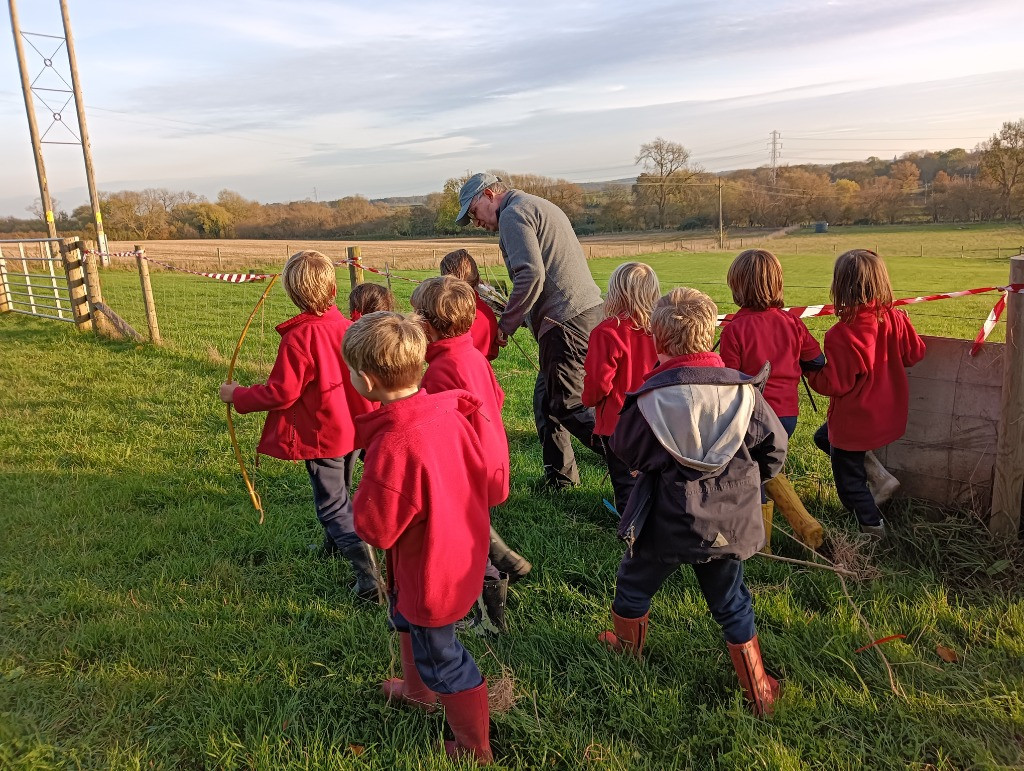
[[775, 152]]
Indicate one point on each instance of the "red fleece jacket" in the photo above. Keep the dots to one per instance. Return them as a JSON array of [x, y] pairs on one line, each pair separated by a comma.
[[865, 377], [454, 363], [421, 498], [618, 357], [754, 337], [309, 396], [485, 330]]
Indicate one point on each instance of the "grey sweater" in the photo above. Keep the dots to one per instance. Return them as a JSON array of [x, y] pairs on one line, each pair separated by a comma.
[[551, 282]]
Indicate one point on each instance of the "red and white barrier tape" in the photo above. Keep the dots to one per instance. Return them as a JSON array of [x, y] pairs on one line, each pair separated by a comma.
[[231, 278], [112, 254], [386, 272], [989, 324]]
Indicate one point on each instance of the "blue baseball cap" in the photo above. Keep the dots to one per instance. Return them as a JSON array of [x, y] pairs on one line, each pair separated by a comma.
[[470, 190]]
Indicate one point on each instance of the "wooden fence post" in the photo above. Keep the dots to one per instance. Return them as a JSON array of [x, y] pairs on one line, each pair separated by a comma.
[[355, 268], [1008, 485], [93, 292], [71, 258], [147, 295], [5, 301]]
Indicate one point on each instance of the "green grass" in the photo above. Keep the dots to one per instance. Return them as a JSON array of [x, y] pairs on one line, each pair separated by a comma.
[[147, 621]]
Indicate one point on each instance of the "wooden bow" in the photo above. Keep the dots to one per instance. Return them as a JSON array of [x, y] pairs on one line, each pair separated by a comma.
[[253, 495]]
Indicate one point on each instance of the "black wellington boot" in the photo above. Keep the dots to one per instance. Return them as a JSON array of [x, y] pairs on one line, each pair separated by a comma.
[[494, 595], [368, 586], [506, 560]]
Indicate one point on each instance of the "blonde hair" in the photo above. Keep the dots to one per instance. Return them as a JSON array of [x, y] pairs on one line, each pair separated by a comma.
[[632, 291], [755, 278], [461, 264], [860, 277], [448, 303], [369, 298], [310, 281], [684, 322], [389, 346]]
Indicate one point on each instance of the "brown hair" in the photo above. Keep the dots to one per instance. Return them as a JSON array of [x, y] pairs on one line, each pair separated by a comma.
[[310, 281], [368, 298], [448, 303], [684, 322], [461, 264], [860, 278], [632, 291], [389, 346], [755, 278]]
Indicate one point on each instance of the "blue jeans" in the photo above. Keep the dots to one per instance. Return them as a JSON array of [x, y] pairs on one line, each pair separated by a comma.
[[441, 660], [851, 479], [332, 479], [720, 581]]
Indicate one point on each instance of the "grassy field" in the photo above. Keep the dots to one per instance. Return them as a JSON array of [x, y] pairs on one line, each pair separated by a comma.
[[147, 621]]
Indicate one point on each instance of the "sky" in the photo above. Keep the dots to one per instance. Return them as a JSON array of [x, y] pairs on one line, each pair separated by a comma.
[[323, 99]]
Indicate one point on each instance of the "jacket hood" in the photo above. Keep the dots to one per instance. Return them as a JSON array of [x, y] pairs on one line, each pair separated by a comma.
[[459, 343], [332, 314], [419, 408], [700, 415]]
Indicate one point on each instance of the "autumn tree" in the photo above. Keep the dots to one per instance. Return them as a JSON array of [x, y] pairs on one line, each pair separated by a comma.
[[667, 170], [1002, 161]]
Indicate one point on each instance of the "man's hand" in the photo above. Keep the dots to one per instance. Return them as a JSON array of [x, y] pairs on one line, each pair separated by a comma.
[[227, 392]]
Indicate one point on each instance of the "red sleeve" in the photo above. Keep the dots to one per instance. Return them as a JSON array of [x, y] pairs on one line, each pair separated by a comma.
[[729, 346], [843, 367], [380, 513], [913, 347], [492, 330], [599, 368], [293, 371], [809, 348]]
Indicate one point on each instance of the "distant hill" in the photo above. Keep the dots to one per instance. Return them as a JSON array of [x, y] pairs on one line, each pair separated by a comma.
[[401, 200], [600, 187]]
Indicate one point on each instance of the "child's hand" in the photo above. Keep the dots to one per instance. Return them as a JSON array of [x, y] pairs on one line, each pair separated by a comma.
[[227, 392], [500, 340]]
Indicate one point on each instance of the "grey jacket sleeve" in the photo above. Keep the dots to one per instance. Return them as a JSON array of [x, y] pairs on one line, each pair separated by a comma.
[[526, 266]]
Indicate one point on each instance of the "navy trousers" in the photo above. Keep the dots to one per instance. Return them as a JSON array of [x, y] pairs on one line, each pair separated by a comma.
[[788, 423], [720, 581], [332, 480], [441, 660], [851, 479]]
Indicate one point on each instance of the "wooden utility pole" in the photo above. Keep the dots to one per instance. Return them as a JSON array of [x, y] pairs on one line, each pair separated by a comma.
[[721, 228], [94, 200], [1008, 485], [33, 129]]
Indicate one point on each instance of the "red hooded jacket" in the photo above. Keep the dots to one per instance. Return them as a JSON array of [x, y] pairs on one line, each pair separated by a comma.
[[454, 363], [485, 330], [754, 337], [309, 397], [618, 357], [865, 377], [421, 498]]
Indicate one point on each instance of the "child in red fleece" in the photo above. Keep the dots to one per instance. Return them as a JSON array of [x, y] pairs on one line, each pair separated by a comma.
[[865, 379], [310, 404], [447, 308], [762, 332], [619, 355], [484, 331], [421, 499], [369, 298], [700, 438]]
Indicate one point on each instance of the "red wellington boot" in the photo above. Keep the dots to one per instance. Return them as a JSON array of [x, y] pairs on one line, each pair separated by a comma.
[[469, 718], [410, 688], [760, 689], [629, 634]]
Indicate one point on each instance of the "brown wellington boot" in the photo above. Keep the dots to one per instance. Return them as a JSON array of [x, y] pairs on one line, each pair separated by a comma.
[[629, 634], [469, 717], [410, 688], [759, 688]]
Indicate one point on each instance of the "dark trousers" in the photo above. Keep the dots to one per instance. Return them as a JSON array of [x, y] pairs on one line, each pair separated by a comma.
[[442, 661], [720, 581], [618, 471], [788, 423], [332, 479], [557, 397], [851, 479]]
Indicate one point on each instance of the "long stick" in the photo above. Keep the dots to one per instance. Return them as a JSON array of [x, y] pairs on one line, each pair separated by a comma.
[[804, 563]]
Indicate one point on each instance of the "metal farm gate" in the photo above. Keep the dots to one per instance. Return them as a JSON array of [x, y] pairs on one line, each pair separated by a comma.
[[44, 277]]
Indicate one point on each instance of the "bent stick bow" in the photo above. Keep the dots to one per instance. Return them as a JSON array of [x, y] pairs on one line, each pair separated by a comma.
[[253, 495]]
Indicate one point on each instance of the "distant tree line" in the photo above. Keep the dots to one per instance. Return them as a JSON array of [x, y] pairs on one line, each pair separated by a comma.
[[671, 192]]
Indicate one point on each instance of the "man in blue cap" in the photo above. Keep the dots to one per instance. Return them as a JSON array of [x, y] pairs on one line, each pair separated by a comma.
[[555, 296]]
